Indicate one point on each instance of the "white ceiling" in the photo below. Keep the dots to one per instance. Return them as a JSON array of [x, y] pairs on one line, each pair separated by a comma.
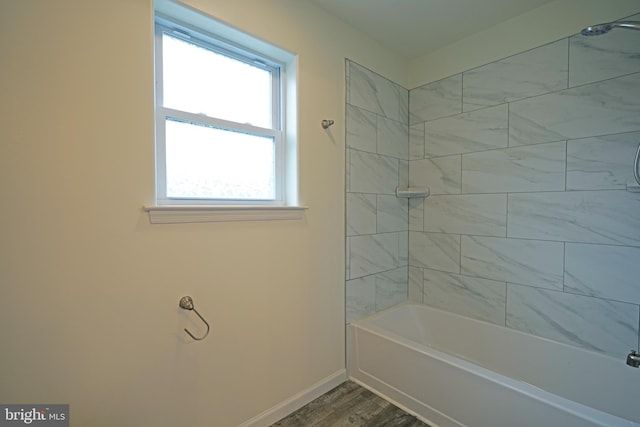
[[416, 27]]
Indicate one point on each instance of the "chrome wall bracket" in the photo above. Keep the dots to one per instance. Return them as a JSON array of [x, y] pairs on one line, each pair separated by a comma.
[[186, 303], [326, 124]]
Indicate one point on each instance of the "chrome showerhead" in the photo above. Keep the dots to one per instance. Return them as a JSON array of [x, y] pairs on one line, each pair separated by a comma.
[[599, 29], [596, 30]]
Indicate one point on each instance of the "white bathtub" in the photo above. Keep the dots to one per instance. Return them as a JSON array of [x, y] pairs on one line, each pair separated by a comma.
[[451, 370]]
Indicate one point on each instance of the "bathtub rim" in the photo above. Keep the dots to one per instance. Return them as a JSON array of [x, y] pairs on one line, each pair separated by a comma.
[[367, 324]]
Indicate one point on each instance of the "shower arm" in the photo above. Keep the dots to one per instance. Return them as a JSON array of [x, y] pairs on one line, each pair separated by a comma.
[[632, 25]]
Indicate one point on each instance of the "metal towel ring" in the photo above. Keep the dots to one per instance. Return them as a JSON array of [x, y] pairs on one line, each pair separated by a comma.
[[187, 304]]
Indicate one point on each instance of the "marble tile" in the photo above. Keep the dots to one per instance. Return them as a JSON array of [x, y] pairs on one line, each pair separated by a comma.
[[534, 72], [538, 167], [394, 99], [347, 249], [595, 109], [393, 138], [479, 214], [416, 284], [372, 254], [372, 173], [479, 130], [416, 214], [601, 163], [598, 58], [391, 288], [361, 214], [610, 272], [436, 251], [440, 174], [362, 88], [434, 100], [361, 129], [416, 141], [403, 249], [347, 172], [403, 173], [392, 214], [528, 262], [372, 92], [592, 323], [608, 217], [470, 296], [347, 77], [361, 297]]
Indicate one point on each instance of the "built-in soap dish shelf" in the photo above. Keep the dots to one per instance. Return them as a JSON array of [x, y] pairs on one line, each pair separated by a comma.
[[411, 192]]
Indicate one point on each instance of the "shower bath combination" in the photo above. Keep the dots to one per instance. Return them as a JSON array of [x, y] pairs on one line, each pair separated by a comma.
[[604, 28], [633, 359]]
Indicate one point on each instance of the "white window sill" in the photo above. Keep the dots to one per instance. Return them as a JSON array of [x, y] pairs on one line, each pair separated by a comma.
[[191, 214]]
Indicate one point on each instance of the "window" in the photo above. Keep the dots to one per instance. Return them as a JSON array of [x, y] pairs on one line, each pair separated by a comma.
[[219, 134], [221, 120]]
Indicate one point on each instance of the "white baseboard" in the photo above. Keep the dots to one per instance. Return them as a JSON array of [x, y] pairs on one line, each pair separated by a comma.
[[297, 401]]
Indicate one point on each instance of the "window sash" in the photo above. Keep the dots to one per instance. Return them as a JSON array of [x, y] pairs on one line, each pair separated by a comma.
[[164, 113]]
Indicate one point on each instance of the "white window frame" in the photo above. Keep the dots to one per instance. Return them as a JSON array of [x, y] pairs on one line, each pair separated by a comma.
[[171, 16]]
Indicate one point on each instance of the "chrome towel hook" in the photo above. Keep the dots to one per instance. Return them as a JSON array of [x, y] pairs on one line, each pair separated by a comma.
[[187, 304]]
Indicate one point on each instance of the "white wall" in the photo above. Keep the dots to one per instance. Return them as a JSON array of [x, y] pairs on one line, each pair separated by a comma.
[[553, 21], [89, 308]]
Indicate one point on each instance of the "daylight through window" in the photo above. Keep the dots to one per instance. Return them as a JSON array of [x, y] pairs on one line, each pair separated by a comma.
[[219, 127]]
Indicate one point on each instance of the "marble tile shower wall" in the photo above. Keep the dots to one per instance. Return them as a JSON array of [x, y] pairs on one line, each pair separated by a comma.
[[529, 224], [377, 163]]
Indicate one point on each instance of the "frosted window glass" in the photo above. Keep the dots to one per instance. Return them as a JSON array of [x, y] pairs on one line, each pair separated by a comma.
[[201, 81], [209, 163]]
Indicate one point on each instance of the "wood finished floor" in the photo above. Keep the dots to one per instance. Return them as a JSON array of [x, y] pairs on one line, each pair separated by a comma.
[[349, 405]]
